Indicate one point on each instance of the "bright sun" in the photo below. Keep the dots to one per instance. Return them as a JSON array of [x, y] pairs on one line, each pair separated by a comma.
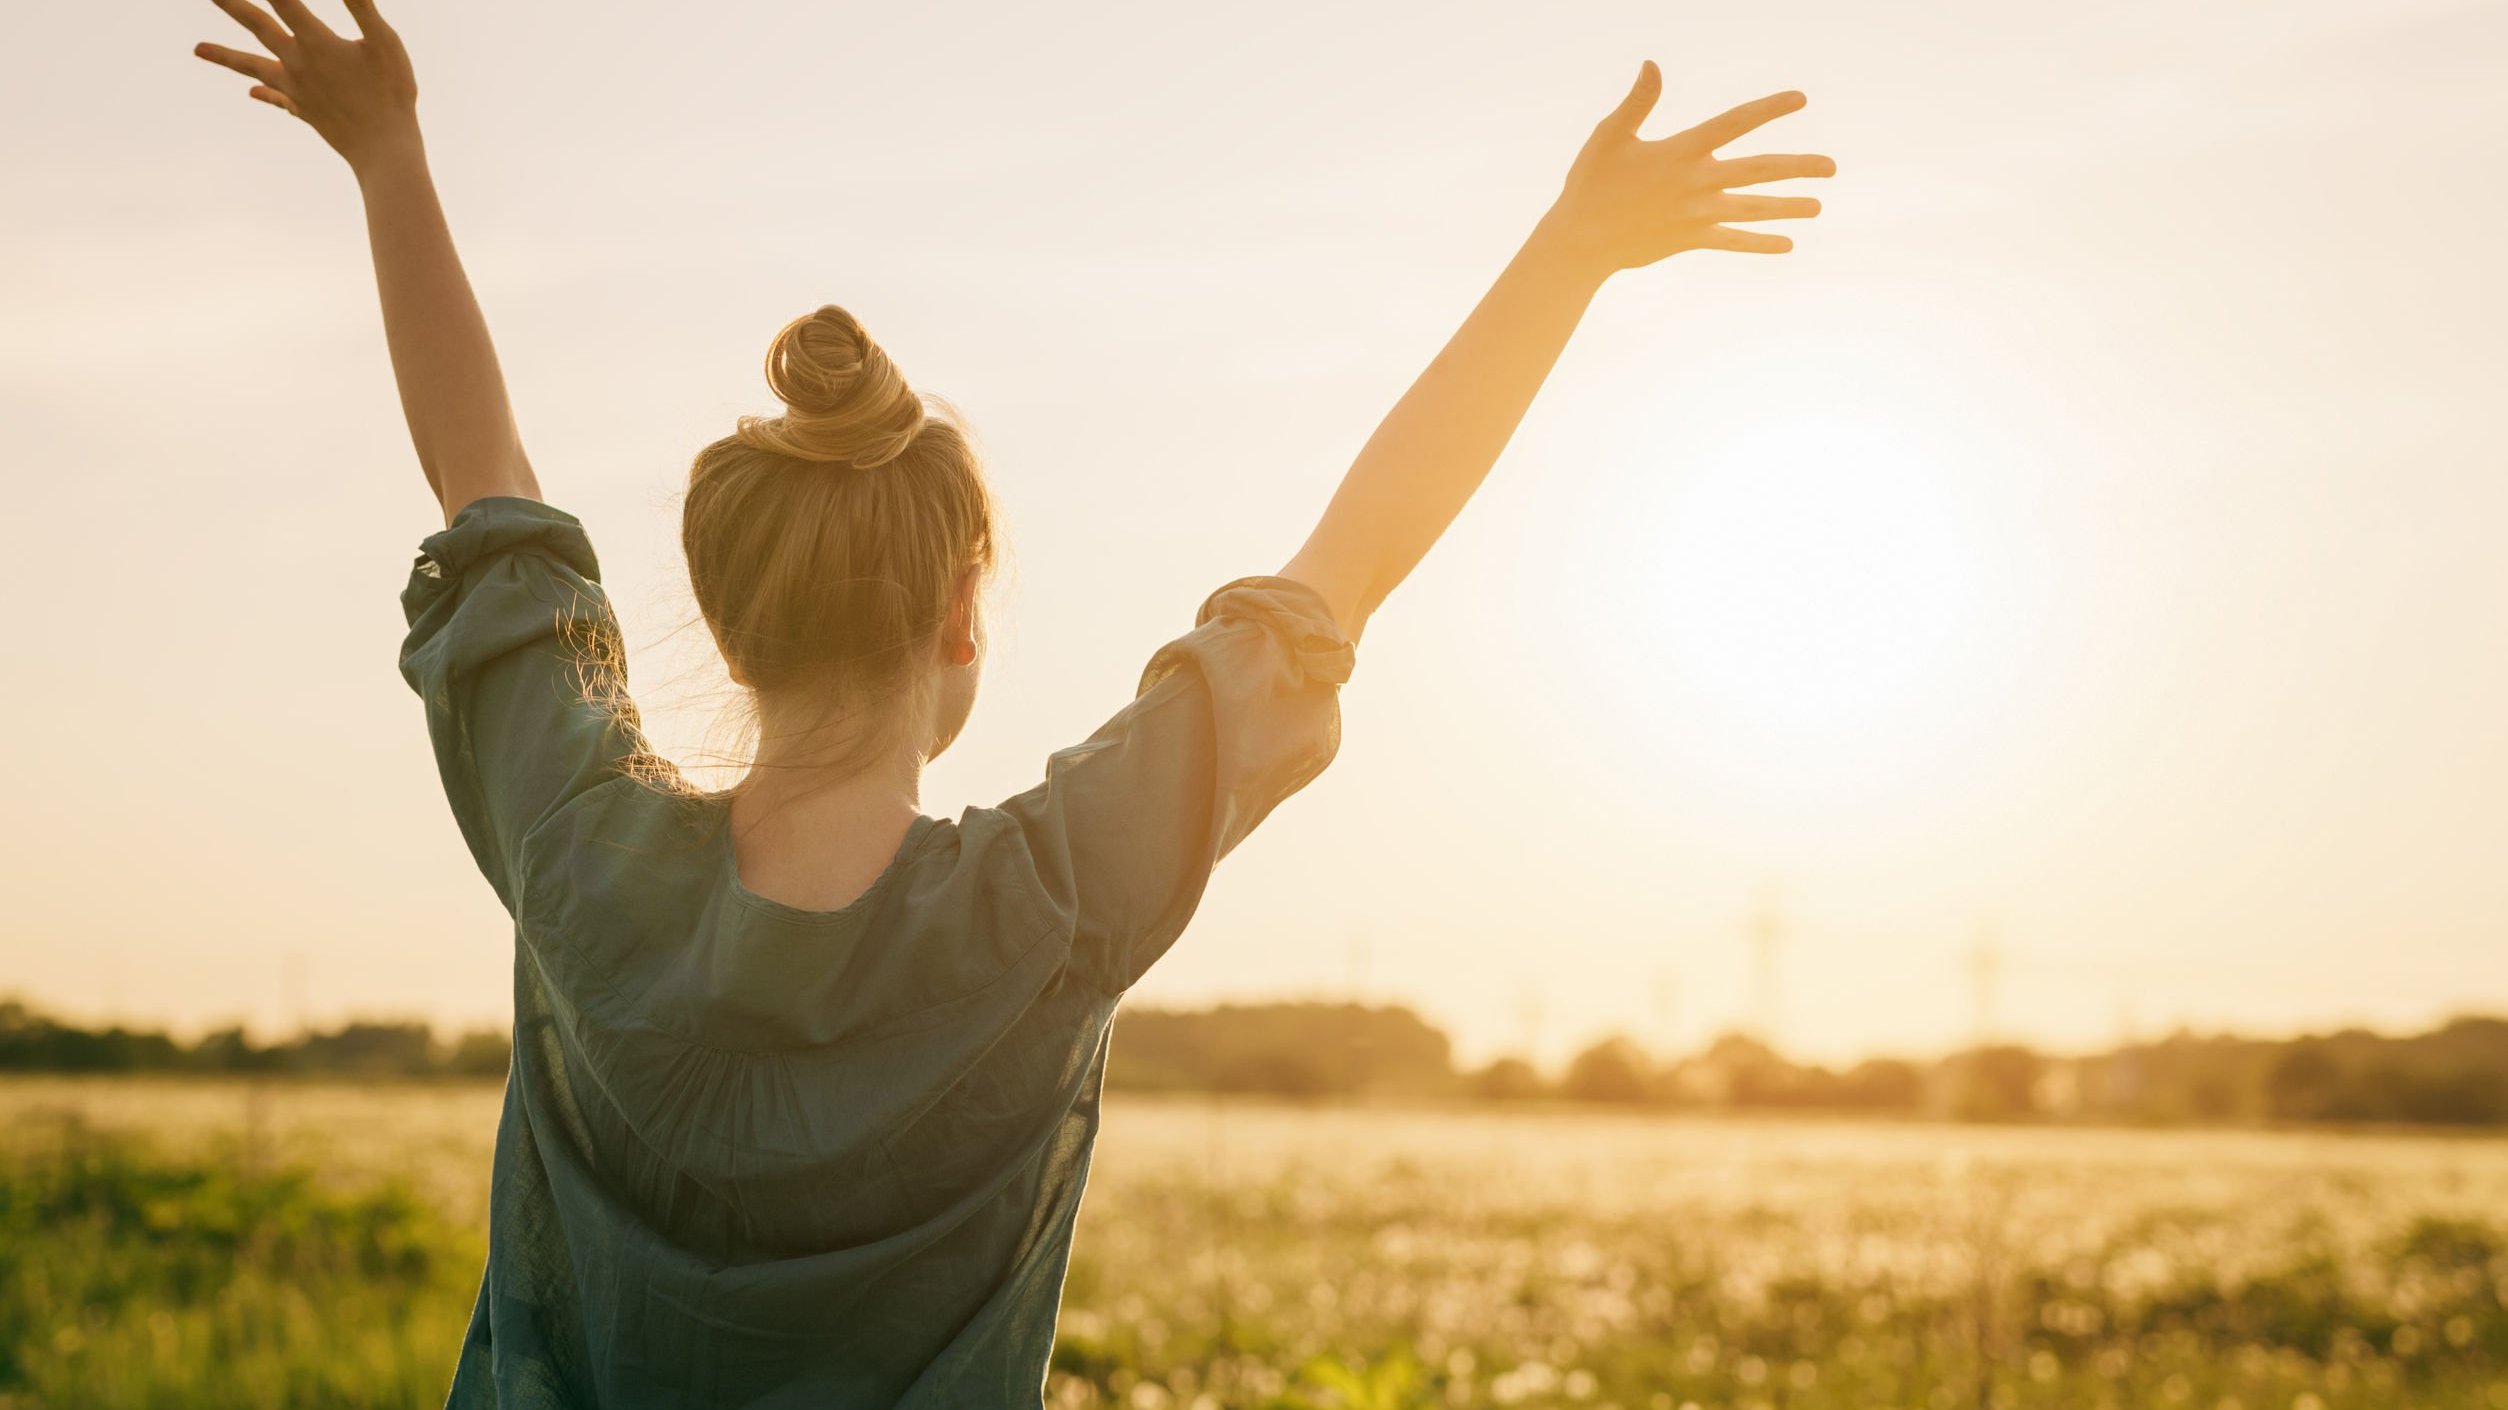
[[1814, 594]]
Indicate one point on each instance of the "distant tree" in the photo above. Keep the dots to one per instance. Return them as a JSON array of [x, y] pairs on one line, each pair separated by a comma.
[[1740, 1070], [2392, 1090], [1508, 1079], [232, 1050], [2305, 1083], [2212, 1093], [1998, 1083], [2468, 1098], [29, 1041], [1289, 1049], [368, 1049], [2472, 1040], [1882, 1084], [1282, 1072], [1740, 1051], [481, 1052], [1613, 1070]]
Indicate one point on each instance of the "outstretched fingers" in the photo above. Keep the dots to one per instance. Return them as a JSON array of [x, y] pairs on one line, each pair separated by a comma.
[[1750, 116], [1749, 242], [1766, 208], [275, 99], [301, 19], [260, 68], [370, 24], [257, 22], [1750, 171]]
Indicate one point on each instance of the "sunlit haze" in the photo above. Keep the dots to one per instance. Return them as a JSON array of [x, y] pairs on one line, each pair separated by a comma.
[[2086, 545]]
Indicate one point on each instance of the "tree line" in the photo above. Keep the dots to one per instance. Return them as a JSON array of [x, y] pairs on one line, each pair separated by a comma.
[[31, 1041], [2454, 1075]]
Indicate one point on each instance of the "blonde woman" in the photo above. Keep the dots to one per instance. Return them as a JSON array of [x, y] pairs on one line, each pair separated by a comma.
[[805, 1082]]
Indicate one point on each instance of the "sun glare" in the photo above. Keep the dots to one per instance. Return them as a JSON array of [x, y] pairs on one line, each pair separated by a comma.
[[1815, 578], [1814, 600]]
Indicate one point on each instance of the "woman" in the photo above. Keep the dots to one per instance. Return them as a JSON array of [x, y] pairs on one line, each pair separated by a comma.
[[805, 1082]]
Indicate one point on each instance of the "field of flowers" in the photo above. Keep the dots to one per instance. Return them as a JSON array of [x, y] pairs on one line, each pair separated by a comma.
[[318, 1244]]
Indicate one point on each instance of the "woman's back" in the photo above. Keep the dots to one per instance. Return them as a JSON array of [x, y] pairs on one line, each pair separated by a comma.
[[759, 1154], [830, 1155]]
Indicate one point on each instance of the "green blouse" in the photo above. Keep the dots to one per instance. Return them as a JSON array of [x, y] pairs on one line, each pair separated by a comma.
[[757, 1155]]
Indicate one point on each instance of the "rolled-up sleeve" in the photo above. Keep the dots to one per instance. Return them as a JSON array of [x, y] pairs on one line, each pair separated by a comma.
[[515, 652], [1230, 719]]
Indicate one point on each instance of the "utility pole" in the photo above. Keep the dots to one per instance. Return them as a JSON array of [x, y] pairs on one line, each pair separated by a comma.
[[1667, 1009], [1767, 932], [1528, 1011], [1985, 963], [1354, 1063], [292, 990]]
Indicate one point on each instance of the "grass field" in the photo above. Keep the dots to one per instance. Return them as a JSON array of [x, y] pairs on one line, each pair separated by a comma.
[[318, 1244]]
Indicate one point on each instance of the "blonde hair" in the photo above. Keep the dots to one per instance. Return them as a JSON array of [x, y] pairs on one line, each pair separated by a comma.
[[825, 545]]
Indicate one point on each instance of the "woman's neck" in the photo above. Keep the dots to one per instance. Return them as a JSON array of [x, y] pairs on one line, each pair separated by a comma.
[[823, 810], [827, 765]]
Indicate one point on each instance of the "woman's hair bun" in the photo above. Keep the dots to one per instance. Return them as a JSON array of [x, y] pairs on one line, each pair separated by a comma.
[[844, 401]]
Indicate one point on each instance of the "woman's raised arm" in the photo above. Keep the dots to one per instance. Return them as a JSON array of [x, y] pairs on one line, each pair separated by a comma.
[[1628, 202], [361, 97]]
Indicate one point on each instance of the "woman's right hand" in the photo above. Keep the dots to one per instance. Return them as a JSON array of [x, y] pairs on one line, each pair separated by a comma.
[[359, 94]]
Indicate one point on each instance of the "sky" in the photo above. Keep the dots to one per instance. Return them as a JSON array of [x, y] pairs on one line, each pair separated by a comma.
[[2082, 549]]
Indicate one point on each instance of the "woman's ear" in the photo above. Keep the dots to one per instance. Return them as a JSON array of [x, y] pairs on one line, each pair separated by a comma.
[[730, 667], [960, 640]]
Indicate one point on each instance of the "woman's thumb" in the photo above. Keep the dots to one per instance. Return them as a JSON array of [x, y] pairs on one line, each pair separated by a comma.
[[1631, 114]]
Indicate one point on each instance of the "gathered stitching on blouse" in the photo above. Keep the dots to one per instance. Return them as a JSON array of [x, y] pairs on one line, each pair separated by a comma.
[[887, 1028], [908, 849]]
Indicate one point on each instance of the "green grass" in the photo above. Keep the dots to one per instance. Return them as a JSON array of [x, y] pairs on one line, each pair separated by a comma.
[[1294, 1259], [1631, 1313], [130, 1279]]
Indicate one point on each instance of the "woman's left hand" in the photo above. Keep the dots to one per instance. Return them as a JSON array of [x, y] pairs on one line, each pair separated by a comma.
[[359, 94], [1630, 201]]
